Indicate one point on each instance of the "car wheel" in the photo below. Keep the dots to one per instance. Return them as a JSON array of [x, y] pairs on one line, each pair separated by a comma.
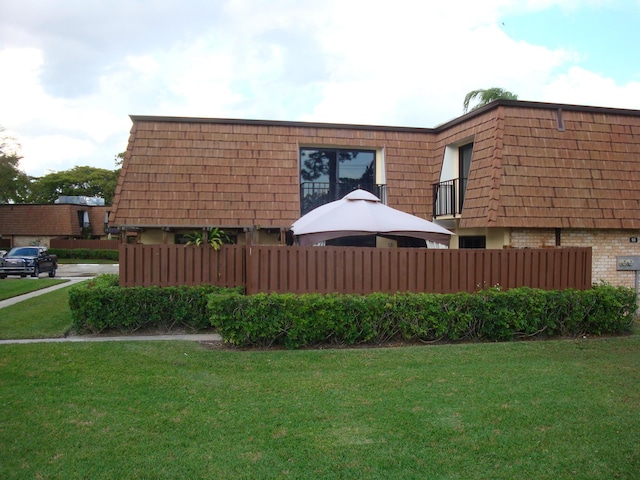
[[52, 273], [3, 276], [36, 272], [23, 275]]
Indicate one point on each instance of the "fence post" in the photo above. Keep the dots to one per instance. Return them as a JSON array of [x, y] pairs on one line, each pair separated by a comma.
[[250, 282]]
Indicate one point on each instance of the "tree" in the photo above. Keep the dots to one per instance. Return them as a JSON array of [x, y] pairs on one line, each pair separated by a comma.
[[119, 159], [79, 181], [484, 96], [14, 183]]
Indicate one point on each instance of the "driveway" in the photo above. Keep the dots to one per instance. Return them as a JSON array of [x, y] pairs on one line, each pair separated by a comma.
[[86, 269]]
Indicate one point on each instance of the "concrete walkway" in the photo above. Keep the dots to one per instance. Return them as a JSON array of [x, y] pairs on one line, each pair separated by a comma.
[[42, 291], [73, 272], [79, 273], [195, 337]]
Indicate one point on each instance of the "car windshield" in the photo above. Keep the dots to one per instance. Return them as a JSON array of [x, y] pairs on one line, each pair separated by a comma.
[[23, 252]]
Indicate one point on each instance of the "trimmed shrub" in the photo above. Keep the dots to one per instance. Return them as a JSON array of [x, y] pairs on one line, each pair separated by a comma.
[[101, 304], [296, 321], [85, 253]]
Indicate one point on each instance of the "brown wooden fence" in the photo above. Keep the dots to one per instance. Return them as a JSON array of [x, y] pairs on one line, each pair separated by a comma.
[[354, 270], [172, 265], [90, 244]]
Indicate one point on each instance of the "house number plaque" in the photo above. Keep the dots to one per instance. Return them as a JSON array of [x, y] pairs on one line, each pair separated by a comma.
[[628, 263], [631, 263]]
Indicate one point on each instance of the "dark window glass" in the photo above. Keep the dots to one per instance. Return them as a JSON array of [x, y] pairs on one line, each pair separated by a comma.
[[464, 165], [355, 241], [181, 238], [472, 242], [329, 174]]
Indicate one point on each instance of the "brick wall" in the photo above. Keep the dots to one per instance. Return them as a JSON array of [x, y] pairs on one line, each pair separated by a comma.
[[606, 246]]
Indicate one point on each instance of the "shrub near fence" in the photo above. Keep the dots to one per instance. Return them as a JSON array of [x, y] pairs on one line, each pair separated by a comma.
[[83, 253], [310, 319], [491, 315], [101, 304], [70, 243]]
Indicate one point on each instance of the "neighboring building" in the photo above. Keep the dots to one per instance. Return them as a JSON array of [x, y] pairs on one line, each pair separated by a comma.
[[31, 224], [511, 174]]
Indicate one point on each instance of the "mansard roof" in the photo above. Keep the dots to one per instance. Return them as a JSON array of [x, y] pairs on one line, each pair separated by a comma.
[[535, 165]]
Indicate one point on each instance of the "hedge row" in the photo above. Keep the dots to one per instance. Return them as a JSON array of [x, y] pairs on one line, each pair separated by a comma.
[[305, 320], [101, 304], [85, 253]]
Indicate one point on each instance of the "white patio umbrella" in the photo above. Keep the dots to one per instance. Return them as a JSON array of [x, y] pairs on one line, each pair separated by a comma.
[[362, 213]]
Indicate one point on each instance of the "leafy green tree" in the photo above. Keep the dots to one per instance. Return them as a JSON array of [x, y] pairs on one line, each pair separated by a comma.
[[119, 159], [484, 96], [79, 181], [14, 183]]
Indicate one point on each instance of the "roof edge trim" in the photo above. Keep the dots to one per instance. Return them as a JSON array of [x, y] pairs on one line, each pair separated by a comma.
[[539, 105], [346, 126], [277, 123]]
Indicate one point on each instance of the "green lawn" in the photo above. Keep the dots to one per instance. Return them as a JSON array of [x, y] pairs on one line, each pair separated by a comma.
[[544, 410], [47, 315], [13, 287]]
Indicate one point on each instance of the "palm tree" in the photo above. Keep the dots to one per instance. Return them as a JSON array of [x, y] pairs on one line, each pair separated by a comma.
[[485, 96]]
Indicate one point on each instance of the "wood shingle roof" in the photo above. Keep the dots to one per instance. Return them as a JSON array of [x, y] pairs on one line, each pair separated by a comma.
[[534, 165], [579, 171], [181, 172], [49, 220]]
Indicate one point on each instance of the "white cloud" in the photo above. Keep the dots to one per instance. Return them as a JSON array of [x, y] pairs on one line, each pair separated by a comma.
[[581, 87], [144, 64], [50, 153], [20, 91], [342, 61]]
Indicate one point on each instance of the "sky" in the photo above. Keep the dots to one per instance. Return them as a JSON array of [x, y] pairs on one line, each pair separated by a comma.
[[72, 71]]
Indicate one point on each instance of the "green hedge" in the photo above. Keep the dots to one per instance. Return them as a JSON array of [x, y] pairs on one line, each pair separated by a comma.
[[85, 253], [101, 304], [491, 315]]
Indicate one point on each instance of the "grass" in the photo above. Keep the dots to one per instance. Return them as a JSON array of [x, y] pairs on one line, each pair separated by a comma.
[[14, 287], [45, 316], [543, 410]]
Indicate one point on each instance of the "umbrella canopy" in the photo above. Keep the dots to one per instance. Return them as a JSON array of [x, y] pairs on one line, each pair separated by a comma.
[[362, 213]]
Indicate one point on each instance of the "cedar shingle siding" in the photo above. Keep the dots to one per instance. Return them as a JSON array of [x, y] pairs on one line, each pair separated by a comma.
[[586, 176], [197, 172], [34, 221], [534, 165]]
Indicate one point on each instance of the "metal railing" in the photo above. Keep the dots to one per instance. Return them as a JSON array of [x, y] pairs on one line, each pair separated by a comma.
[[446, 198]]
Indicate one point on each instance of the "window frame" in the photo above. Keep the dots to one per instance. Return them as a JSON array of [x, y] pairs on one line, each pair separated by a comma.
[[331, 191]]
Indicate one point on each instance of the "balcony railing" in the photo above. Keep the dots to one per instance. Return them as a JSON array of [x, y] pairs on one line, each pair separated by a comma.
[[314, 194], [446, 198]]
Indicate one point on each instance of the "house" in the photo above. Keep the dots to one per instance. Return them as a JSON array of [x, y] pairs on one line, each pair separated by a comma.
[[29, 224], [512, 174]]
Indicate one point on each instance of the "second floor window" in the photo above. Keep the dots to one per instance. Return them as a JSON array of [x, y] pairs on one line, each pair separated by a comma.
[[463, 168], [329, 174], [449, 194]]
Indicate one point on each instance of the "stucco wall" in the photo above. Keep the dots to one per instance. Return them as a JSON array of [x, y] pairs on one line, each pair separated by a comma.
[[606, 246], [26, 240]]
